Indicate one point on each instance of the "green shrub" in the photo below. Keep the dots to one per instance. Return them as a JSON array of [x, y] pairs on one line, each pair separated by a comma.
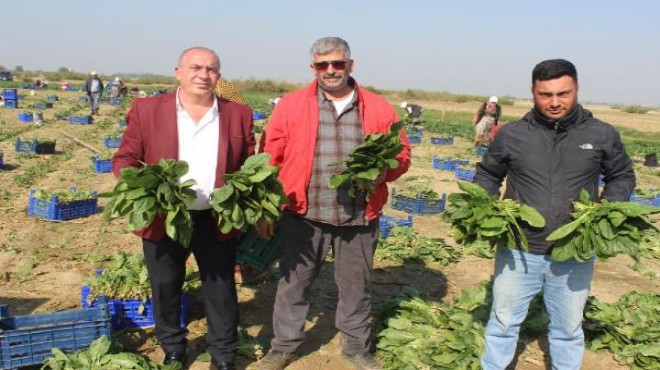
[[638, 109]]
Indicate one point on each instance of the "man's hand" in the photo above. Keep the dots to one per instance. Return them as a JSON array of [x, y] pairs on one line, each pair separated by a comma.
[[265, 229], [381, 177]]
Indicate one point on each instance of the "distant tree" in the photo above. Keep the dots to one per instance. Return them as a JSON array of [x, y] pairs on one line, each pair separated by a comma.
[[63, 69], [2, 68], [18, 69]]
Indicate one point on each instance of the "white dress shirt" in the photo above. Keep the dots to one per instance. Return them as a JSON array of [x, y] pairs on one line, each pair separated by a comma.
[[198, 145]]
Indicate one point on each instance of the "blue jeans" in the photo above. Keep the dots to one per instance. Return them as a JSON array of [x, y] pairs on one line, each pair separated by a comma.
[[519, 276]]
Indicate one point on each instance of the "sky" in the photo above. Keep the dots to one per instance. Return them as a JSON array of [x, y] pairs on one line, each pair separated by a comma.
[[463, 47]]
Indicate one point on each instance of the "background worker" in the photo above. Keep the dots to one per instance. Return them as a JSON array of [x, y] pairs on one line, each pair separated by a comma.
[[485, 119], [413, 112], [94, 88]]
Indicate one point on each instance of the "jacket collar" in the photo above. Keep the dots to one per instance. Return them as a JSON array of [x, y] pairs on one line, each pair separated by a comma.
[[577, 116]]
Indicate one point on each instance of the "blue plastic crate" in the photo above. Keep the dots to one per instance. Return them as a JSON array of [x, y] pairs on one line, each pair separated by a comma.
[[53, 210], [480, 150], [52, 98], [28, 340], [464, 174], [414, 131], [418, 205], [257, 252], [132, 313], [25, 117], [43, 105], [258, 115], [414, 139], [11, 103], [111, 143], [448, 164], [115, 101], [102, 165], [32, 146], [386, 223], [83, 99], [80, 120], [439, 140], [646, 200], [10, 94]]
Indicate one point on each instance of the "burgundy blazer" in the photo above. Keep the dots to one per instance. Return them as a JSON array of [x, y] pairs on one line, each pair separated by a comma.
[[151, 134]]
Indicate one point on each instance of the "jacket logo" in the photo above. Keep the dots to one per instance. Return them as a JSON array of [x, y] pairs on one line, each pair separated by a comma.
[[586, 146]]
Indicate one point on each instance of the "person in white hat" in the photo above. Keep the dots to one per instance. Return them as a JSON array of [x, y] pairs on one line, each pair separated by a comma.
[[114, 89], [413, 112], [486, 118], [94, 88]]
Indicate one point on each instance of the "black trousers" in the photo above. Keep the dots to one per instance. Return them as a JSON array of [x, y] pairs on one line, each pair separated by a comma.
[[166, 263]]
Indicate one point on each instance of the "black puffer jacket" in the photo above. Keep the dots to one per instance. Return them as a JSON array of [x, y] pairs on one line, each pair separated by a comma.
[[547, 163]]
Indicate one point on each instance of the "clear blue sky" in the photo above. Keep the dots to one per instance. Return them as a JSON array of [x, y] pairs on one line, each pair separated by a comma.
[[470, 47]]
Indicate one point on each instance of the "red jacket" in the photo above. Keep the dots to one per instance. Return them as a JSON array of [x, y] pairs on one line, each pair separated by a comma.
[[290, 139], [151, 134]]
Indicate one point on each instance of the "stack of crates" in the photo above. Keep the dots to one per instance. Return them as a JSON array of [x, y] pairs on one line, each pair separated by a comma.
[[28, 340], [10, 97]]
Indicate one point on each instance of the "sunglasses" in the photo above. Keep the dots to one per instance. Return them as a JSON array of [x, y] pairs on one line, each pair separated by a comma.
[[339, 65]]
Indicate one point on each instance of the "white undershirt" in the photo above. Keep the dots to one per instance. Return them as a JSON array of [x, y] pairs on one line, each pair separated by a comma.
[[340, 105], [198, 145]]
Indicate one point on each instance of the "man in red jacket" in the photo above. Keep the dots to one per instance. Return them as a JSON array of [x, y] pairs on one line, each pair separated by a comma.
[[214, 136], [309, 129]]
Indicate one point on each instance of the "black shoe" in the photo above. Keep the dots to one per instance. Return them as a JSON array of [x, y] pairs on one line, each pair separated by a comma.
[[222, 366], [174, 357]]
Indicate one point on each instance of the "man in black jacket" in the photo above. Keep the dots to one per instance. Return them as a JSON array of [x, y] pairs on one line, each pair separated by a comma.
[[548, 157]]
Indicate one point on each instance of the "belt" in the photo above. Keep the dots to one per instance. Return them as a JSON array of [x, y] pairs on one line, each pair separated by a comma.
[[200, 211]]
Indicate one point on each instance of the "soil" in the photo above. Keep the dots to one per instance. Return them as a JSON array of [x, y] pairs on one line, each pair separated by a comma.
[[43, 264]]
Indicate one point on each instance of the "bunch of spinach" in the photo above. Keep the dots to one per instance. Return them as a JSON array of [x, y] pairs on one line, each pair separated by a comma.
[[426, 335], [367, 160], [630, 328], [104, 154], [65, 196], [248, 195], [602, 229], [102, 354], [143, 193], [128, 278], [482, 221], [422, 190], [404, 244]]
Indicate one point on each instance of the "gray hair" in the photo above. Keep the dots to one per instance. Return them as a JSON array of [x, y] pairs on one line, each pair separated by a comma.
[[198, 48], [328, 45]]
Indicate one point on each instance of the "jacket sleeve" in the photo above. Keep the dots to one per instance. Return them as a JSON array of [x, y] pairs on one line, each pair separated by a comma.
[[493, 168], [248, 133], [403, 158], [131, 149], [273, 139], [617, 168]]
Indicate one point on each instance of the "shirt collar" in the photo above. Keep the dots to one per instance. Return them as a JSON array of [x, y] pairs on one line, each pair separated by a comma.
[[180, 108]]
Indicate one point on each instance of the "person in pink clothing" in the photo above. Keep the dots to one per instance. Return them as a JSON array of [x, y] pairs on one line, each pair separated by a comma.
[[309, 129]]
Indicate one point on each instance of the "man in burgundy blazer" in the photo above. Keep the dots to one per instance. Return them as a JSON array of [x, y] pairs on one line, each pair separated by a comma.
[[192, 124]]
